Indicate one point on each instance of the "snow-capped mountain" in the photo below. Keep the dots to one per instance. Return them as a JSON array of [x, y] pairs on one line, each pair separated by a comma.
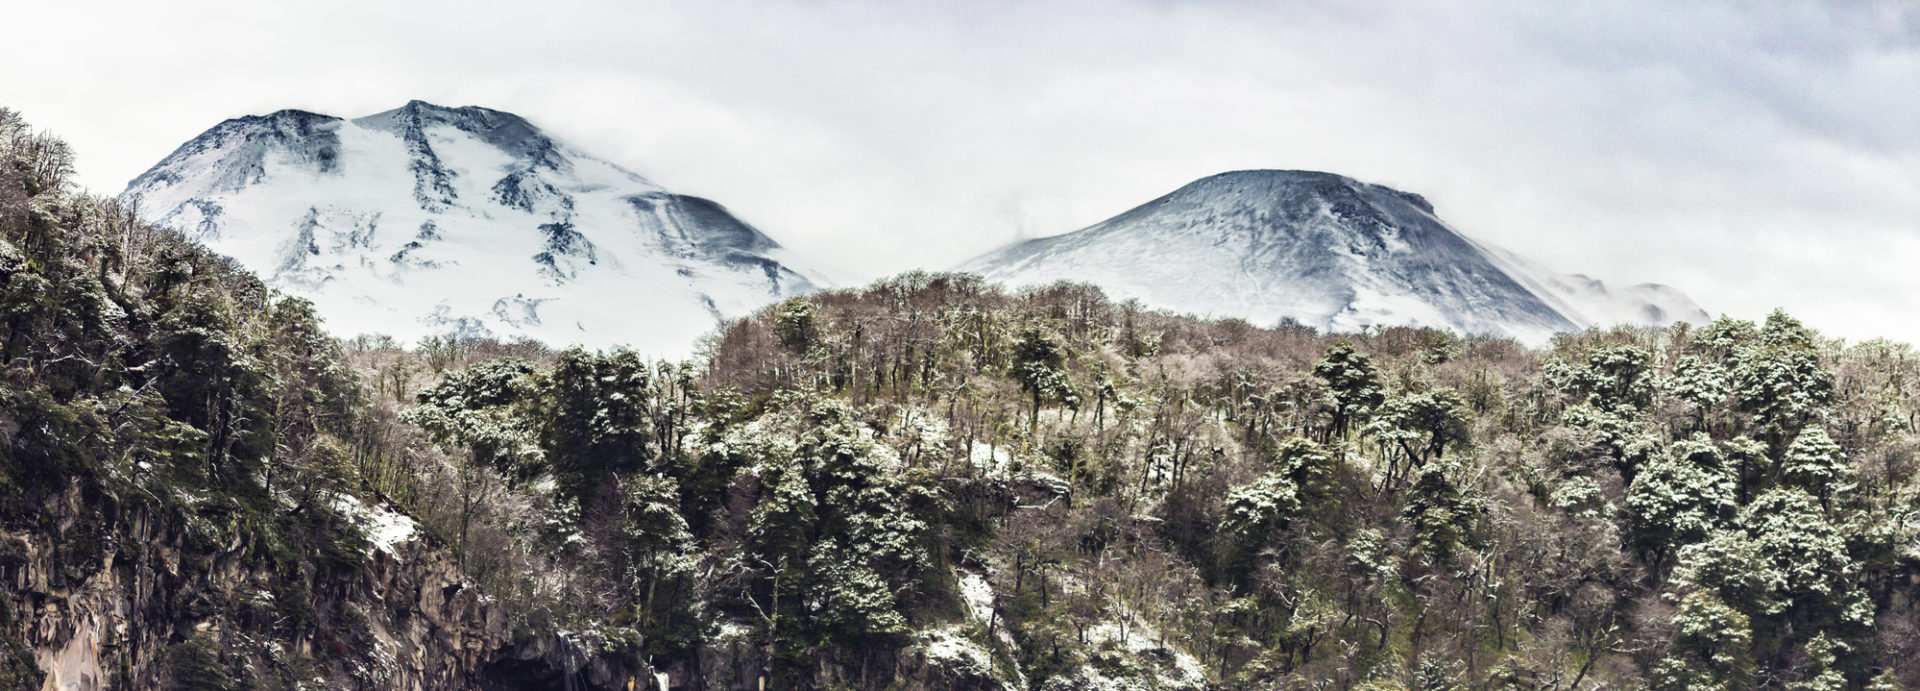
[[1327, 251], [428, 220]]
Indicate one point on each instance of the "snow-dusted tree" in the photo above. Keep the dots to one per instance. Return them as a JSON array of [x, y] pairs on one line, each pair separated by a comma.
[[596, 420], [659, 552], [785, 519], [1750, 465], [1711, 648], [1886, 680], [479, 411], [847, 601], [475, 409], [1810, 553], [1734, 566], [1680, 498], [1823, 655], [1700, 383], [1038, 362], [1781, 381], [1307, 465], [795, 325], [1257, 513], [1624, 440], [1616, 377], [1725, 337], [1443, 517], [1353, 382], [1421, 427], [1814, 463]]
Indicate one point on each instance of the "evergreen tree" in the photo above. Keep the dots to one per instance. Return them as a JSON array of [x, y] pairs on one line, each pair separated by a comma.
[[1709, 651], [1353, 382], [1815, 464], [1680, 498], [1781, 381], [1442, 516], [1810, 553], [1821, 674], [1038, 358], [597, 420], [1421, 426], [1616, 377], [1257, 513]]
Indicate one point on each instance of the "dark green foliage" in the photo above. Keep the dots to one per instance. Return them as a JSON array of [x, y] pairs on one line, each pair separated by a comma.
[[1710, 649], [474, 409], [1780, 380], [1617, 376], [795, 326], [194, 665], [1681, 497], [1353, 382], [1259, 512], [17, 668], [1037, 361], [597, 420], [1419, 428], [1814, 463], [1444, 520]]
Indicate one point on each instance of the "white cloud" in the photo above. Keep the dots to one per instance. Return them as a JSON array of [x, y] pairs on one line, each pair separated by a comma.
[[1753, 154]]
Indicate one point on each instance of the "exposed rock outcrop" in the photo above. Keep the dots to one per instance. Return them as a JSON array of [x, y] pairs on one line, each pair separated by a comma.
[[103, 594]]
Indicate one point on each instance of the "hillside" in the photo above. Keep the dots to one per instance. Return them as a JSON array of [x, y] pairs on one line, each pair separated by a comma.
[[929, 483]]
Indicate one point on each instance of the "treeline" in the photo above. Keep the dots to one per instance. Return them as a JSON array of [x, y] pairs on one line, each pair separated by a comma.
[[1185, 503]]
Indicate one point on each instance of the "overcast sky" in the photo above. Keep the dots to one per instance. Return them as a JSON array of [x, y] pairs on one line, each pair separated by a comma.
[[1753, 154]]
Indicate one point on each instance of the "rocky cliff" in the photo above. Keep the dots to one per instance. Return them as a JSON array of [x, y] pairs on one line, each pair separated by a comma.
[[107, 594]]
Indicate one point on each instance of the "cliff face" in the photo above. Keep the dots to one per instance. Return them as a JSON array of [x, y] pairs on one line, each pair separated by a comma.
[[104, 595], [107, 595]]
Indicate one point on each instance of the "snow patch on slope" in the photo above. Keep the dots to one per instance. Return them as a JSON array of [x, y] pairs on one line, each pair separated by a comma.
[[384, 526]]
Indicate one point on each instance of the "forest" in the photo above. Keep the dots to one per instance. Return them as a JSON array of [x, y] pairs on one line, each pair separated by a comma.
[[934, 482]]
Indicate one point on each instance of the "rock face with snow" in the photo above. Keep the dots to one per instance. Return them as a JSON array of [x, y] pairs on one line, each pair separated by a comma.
[[429, 220], [1329, 252], [406, 617]]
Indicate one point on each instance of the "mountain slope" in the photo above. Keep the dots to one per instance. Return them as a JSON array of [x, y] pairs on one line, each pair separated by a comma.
[[1327, 251], [425, 220]]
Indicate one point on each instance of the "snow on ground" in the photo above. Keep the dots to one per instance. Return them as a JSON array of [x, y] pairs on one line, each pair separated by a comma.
[[977, 594], [991, 460], [949, 644], [383, 526], [1139, 647]]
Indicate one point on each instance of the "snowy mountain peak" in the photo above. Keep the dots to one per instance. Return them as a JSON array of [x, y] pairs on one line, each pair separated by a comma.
[[504, 131], [1325, 250], [425, 219]]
